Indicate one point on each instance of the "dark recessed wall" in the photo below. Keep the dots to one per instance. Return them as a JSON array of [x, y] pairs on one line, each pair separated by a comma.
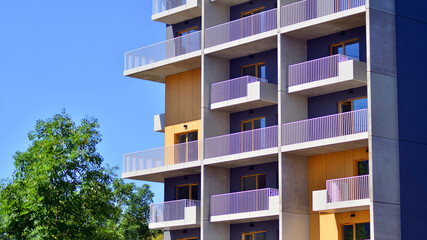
[[185, 233], [272, 228], [171, 183], [328, 104], [178, 27], [270, 113], [269, 57], [236, 11], [320, 47], [270, 170]]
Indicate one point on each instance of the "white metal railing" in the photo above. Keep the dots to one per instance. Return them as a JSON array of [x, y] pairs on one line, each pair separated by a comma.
[[164, 5], [309, 9], [240, 202], [233, 88], [246, 141], [167, 155], [171, 210], [346, 189], [163, 50], [330, 126], [315, 70], [241, 28]]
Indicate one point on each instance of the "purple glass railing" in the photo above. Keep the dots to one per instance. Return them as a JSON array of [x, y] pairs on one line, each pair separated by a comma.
[[253, 140], [164, 5], [163, 50], [157, 157], [330, 126], [170, 211], [233, 88], [240, 202], [346, 189], [310, 9], [241, 28], [315, 70]]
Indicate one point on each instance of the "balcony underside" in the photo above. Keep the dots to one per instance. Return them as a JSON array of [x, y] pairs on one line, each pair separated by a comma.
[[160, 173], [245, 46], [325, 86], [230, 2], [172, 225], [258, 216], [244, 159], [320, 204], [327, 25], [336, 144], [240, 104], [159, 70]]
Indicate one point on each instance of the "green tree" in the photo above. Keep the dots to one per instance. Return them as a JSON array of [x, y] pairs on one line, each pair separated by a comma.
[[61, 190]]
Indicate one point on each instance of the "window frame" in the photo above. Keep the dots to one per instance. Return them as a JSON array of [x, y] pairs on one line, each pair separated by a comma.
[[356, 165], [343, 43], [189, 190], [250, 12], [251, 120], [340, 232], [186, 136], [351, 100], [179, 33], [256, 68], [256, 180], [251, 233]]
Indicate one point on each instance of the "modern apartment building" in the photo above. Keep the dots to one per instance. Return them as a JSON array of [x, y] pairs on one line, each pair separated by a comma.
[[286, 119]]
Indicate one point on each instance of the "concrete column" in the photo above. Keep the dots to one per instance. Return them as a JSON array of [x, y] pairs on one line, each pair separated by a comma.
[[215, 180], [384, 182], [294, 206]]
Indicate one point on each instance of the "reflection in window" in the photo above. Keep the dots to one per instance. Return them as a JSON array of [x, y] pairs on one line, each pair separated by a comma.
[[363, 167], [252, 182], [347, 48], [252, 124], [358, 231], [262, 235], [187, 191], [353, 105], [255, 70]]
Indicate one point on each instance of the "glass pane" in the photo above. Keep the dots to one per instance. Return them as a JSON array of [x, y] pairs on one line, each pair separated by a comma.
[[259, 123], [347, 231], [248, 236], [195, 192], [183, 192], [192, 136], [346, 106], [363, 231], [352, 49], [261, 71], [363, 167], [360, 104], [261, 181], [246, 14], [337, 50], [259, 10], [182, 138], [248, 71], [249, 183], [260, 236], [247, 126]]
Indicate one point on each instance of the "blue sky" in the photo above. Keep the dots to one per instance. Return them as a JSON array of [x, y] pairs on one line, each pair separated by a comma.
[[69, 54]]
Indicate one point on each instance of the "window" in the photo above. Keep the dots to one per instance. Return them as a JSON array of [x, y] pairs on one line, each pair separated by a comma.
[[254, 70], [252, 182], [252, 124], [186, 43], [192, 238], [363, 167], [189, 151], [352, 104], [358, 231], [187, 191], [349, 48], [261, 235], [252, 24], [252, 12], [186, 137], [187, 31]]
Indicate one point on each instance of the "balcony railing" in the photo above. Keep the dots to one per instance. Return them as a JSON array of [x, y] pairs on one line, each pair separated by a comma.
[[233, 88], [347, 189], [168, 155], [170, 211], [335, 125], [241, 202], [164, 5], [241, 28], [258, 139], [310, 9], [315, 70], [163, 50]]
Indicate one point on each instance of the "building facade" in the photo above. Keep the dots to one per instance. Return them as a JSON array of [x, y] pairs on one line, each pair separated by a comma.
[[285, 119]]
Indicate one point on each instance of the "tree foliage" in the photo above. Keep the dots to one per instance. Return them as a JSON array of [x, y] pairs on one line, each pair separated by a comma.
[[61, 190]]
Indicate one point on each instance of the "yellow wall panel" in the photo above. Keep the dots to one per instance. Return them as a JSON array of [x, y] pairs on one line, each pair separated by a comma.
[[328, 227]]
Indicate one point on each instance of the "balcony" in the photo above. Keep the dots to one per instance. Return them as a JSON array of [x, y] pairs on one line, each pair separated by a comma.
[[242, 94], [242, 148], [173, 215], [175, 11], [332, 133], [343, 194], [315, 18], [164, 162], [253, 205], [169, 57], [326, 75], [244, 36], [159, 123]]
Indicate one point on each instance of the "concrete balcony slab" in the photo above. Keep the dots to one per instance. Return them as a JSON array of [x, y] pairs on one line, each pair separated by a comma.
[[191, 9]]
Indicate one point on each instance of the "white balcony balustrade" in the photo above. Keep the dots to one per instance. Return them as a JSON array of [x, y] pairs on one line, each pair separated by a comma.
[[175, 214], [175, 11]]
